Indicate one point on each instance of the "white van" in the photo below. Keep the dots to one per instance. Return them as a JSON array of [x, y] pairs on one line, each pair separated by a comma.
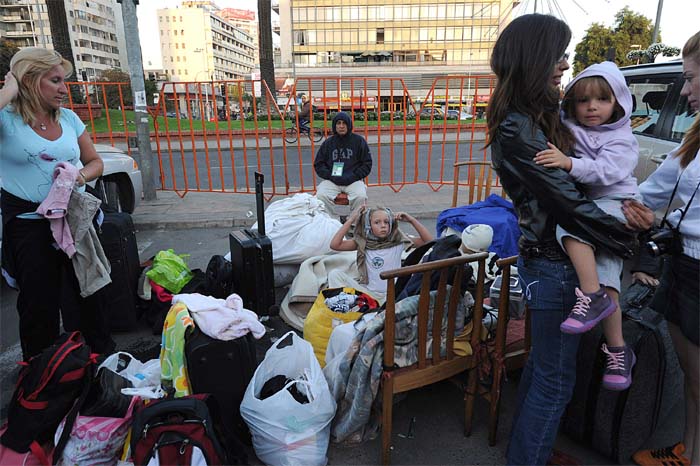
[[660, 116]]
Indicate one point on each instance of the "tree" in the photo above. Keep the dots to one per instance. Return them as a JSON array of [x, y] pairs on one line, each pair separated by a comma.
[[111, 92], [267, 63], [7, 50], [58, 21], [630, 28]]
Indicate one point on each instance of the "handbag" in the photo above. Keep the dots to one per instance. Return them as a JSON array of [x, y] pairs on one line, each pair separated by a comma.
[[105, 398]]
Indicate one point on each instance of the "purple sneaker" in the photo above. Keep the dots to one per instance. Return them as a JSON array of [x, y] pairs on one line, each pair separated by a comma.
[[618, 371], [588, 311]]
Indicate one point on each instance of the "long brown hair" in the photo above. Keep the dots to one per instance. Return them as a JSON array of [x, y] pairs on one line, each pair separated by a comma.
[[691, 143], [523, 58]]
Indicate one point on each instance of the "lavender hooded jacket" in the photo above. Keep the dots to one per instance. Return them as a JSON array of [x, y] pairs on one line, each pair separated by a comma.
[[607, 153]]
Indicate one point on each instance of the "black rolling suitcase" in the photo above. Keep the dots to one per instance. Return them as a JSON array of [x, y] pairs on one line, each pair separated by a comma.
[[617, 424], [223, 369], [118, 238], [251, 257]]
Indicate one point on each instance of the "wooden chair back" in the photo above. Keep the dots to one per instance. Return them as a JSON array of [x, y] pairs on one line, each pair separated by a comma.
[[504, 358], [437, 367], [480, 180]]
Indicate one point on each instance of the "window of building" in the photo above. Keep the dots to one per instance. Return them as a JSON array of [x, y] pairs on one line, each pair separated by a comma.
[[175, 31], [178, 58], [300, 37], [183, 45], [182, 32], [177, 46], [380, 35]]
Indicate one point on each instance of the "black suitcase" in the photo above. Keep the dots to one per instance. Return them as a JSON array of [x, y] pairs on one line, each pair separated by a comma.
[[251, 258], [118, 239], [617, 424], [223, 369]]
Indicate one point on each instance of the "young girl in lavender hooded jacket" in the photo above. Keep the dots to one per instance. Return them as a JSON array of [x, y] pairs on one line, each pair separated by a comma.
[[597, 107]]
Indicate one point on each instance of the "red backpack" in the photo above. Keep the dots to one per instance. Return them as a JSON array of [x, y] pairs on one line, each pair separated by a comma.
[[46, 392], [174, 430]]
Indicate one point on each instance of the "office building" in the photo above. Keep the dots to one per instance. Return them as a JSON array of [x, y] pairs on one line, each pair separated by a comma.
[[417, 40]]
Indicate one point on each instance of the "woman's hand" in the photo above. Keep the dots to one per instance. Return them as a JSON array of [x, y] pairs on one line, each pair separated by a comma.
[[11, 86], [644, 278], [553, 158], [639, 217]]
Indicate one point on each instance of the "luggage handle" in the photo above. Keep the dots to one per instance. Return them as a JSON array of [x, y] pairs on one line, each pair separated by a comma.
[[259, 181]]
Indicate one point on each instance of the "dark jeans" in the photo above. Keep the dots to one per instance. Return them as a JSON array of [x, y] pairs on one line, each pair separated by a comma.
[[47, 287], [549, 376]]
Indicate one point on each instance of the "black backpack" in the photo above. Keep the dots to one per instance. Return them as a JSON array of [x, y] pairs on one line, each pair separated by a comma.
[[219, 277], [46, 392]]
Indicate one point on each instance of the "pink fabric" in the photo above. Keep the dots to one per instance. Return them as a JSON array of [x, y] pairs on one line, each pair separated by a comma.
[[55, 206], [163, 295]]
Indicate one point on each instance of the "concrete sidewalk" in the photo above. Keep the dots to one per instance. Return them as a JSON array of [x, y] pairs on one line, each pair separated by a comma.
[[208, 210]]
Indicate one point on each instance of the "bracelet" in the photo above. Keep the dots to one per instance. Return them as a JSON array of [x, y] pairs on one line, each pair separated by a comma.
[[82, 175]]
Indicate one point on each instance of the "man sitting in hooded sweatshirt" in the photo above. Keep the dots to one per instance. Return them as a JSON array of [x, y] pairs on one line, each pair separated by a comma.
[[343, 161]]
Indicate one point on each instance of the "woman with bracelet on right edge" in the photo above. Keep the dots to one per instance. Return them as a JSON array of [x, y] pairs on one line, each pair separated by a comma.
[[678, 178]]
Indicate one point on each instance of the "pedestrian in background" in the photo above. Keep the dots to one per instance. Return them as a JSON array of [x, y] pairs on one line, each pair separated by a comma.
[[36, 135], [678, 179], [523, 117], [343, 161]]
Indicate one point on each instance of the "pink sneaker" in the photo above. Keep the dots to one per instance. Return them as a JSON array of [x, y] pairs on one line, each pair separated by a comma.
[[588, 311], [618, 370]]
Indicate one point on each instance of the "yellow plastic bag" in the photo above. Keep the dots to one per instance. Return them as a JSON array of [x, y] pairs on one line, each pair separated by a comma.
[[320, 322]]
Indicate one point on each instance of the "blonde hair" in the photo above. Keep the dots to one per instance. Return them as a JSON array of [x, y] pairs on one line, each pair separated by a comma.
[[28, 66], [691, 143]]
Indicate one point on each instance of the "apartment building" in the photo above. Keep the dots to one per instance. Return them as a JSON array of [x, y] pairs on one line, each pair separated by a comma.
[[245, 20], [417, 40], [198, 44], [25, 23], [95, 28]]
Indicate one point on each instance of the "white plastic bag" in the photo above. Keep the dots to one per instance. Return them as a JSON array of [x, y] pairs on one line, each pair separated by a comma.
[[286, 432], [138, 373]]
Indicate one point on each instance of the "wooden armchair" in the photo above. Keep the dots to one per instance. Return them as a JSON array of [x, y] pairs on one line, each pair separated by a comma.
[[438, 367], [480, 177], [504, 357]]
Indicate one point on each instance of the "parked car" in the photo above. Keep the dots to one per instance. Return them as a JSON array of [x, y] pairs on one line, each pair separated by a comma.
[[120, 187], [660, 115], [453, 114], [433, 112]]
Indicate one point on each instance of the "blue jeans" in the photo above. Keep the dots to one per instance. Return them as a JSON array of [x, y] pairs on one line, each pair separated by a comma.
[[548, 378]]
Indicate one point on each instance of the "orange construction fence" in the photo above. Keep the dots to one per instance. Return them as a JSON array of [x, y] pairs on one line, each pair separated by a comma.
[[211, 136]]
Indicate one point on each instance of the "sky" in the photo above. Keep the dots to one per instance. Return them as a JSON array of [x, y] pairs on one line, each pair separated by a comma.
[[679, 19]]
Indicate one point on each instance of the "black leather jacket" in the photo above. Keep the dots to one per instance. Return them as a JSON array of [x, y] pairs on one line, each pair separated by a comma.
[[547, 197]]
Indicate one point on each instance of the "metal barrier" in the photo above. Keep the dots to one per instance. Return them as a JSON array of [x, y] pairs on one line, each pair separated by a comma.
[[211, 136]]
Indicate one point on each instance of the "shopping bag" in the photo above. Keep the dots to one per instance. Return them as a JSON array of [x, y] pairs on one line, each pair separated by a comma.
[[286, 431], [96, 440], [320, 321], [170, 270]]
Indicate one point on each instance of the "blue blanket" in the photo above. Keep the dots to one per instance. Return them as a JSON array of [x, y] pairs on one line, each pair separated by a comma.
[[493, 211]]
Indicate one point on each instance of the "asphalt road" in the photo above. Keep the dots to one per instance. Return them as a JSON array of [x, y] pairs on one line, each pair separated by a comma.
[[392, 164]]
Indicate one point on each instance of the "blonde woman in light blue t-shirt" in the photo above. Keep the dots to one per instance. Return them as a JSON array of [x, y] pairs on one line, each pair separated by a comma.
[[36, 134]]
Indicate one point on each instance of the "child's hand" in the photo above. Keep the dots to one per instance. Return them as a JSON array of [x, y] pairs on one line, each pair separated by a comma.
[[403, 217], [356, 214], [645, 279], [553, 158]]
